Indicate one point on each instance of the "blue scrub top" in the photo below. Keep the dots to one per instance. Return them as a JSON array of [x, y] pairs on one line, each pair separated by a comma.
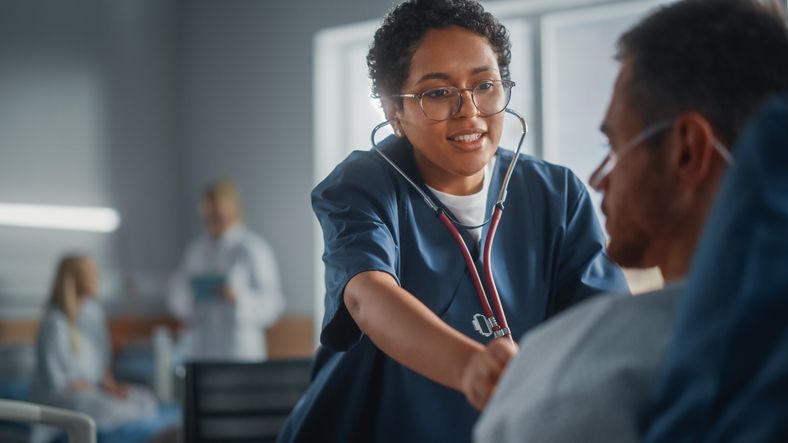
[[548, 254]]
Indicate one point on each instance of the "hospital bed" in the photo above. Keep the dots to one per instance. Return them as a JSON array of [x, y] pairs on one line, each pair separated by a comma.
[[80, 427]]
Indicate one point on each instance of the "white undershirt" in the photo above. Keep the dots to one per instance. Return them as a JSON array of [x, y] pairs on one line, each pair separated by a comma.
[[469, 209]]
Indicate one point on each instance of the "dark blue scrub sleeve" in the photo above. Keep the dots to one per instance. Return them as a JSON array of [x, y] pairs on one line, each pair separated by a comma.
[[584, 267], [359, 225]]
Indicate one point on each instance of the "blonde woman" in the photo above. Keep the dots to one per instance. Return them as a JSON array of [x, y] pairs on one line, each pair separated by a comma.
[[73, 354]]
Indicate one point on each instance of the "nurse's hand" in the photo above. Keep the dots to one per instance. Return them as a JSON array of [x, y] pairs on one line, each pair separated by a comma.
[[484, 369]]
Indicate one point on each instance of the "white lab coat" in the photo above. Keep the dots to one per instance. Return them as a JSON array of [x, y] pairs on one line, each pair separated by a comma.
[[218, 329]]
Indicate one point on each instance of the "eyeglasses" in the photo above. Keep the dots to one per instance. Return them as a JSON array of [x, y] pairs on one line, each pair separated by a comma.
[[489, 97], [606, 167]]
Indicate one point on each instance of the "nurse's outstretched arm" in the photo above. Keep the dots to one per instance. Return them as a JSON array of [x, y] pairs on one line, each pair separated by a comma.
[[410, 333]]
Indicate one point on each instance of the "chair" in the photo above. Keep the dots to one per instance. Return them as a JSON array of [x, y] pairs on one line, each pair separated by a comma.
[[79, 426], [241, 402]]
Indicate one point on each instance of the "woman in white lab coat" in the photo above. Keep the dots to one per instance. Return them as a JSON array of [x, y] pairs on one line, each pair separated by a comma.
[[73, 355], [227, 287]]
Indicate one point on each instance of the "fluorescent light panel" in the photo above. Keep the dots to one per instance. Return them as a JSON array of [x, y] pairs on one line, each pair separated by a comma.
[[75, 218]]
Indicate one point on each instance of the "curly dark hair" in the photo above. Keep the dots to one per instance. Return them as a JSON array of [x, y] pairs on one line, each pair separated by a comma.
[[721, 58], [404, 27]]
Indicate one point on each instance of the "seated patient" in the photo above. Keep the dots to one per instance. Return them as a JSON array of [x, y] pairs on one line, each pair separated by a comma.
[[725, 377], [73, 357], [691, 74]]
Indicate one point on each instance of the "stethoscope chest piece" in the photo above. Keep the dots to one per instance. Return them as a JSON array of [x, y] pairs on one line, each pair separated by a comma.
[[481, 325]]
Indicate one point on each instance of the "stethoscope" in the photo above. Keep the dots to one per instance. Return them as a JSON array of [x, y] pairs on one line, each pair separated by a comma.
[[495, 322]]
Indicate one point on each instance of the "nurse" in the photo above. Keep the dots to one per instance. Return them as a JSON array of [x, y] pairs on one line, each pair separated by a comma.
[[402, 359], [227, 287]]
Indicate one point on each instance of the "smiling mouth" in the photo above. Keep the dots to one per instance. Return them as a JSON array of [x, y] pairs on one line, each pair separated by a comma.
[[466, 138]]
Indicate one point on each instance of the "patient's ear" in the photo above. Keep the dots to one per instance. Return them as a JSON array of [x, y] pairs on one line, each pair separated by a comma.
[[695, 156]]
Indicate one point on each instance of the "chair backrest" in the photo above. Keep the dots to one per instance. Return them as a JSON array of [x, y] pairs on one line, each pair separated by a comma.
[[241, 402]]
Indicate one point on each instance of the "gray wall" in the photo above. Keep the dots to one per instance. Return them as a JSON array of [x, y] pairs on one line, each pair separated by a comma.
[[87, 117], [135, 104], [247, 109]]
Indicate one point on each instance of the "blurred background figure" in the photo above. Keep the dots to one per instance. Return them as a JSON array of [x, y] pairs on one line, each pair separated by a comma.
[[227, 287], [73, 362]]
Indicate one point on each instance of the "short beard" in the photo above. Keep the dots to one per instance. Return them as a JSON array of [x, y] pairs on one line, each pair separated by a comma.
[[629, 253]]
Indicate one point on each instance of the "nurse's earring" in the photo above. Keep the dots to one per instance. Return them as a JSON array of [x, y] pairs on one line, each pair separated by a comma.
[[397, 130]]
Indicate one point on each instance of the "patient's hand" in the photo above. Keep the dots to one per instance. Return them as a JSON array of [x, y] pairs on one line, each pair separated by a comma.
[[119, 390], [484, 369], [113, 387], [80, 385]]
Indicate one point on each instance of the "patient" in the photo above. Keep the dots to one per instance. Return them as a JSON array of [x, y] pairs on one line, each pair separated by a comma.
[[691, 74], [73, 360], [726, 372]]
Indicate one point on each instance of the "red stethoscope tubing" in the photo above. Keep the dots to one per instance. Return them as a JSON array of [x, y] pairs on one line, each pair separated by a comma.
[[499, 328], [497, 213], [498, 325]]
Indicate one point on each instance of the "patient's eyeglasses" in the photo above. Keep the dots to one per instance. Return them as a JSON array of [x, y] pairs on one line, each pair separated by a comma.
[[606, 167], [490, 97]]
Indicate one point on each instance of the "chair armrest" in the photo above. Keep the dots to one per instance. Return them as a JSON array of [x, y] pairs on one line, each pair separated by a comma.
[[80, 427]]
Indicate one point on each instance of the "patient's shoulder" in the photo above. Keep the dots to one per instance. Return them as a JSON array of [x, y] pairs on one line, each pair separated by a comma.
[[589, 344], [586, 374], [610, 321]]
